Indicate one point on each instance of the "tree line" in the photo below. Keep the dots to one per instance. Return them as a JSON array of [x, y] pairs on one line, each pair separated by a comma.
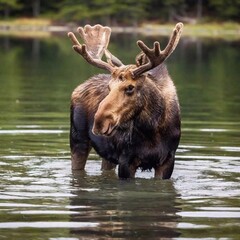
[[123, 12]]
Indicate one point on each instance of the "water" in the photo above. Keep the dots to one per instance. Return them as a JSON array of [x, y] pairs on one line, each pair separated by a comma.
[[41, 198]]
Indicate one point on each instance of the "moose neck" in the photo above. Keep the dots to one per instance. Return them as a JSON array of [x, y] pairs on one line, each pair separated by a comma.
[[153, 109]]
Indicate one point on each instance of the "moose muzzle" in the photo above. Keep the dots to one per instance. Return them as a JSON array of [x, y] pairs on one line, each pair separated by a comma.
[[104, 124]]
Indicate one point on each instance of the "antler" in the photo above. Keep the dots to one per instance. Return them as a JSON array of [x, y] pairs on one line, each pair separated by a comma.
[[96, 41], [151, 58]]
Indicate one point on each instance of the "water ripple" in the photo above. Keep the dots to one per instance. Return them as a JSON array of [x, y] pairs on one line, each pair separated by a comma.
[[48, 225], [35, 131]]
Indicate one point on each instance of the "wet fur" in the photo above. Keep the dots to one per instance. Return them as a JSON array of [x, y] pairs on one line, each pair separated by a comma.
[[148, 140]]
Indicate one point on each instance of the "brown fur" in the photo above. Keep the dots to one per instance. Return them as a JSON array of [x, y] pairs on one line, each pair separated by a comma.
[[150, 115]]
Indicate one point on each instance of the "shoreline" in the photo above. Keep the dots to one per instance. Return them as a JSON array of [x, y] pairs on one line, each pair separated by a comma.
[[44, 28]]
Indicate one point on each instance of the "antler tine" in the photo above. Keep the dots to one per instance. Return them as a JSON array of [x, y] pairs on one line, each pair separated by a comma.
[[112, 59], [96, 41], [155, 56]]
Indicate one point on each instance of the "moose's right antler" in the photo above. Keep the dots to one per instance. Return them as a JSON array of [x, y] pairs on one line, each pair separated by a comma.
[[96, 41], [151, 58]]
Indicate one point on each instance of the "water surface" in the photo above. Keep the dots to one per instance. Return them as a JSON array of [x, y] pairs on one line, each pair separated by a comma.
[[41, 198]]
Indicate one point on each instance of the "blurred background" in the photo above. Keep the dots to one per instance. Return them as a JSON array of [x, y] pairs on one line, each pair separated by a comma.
[[124, 12]]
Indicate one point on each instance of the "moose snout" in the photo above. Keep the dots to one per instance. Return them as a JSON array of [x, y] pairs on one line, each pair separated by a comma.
[[104, 124]]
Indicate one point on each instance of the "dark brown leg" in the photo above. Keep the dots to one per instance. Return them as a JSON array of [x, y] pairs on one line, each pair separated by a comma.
[[79, 140], [165, 170], [133, 168], [79, 158], [106, 165], [127, 171]]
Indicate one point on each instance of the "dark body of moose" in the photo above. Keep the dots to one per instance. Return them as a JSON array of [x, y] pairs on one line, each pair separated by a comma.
[[131, 117]]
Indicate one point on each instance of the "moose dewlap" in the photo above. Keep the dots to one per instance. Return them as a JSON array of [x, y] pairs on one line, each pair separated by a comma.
[[131, 117]]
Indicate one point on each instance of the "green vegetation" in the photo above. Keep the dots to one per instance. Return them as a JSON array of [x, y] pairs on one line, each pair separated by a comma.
[[124, 12], [226, 30], [7, 5], [208, 18]]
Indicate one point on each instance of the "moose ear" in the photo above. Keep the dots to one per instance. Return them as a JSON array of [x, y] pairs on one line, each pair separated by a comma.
[[159, 73], [149, 75]]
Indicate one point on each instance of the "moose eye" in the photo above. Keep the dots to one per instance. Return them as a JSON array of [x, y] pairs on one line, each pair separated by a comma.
[[120, 77], [129, 90]]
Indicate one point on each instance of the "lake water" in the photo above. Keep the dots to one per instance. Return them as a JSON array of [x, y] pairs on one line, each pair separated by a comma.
[[40, 197]]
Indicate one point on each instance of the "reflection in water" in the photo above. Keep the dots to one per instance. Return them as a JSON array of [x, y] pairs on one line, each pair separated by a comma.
[[35, 50], [125, 209]]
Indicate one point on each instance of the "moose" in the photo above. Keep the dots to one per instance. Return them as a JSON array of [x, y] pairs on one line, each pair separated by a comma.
[[131, 117]]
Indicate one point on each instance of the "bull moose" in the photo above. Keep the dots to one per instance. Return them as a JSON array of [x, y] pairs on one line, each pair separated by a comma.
[[131, 117]]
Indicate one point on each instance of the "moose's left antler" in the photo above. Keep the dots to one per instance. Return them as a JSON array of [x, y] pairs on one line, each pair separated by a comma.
[[96, 40], [155, 56]]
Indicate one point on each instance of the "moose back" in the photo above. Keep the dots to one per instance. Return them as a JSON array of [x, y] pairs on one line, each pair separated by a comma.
[[131, 117]]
